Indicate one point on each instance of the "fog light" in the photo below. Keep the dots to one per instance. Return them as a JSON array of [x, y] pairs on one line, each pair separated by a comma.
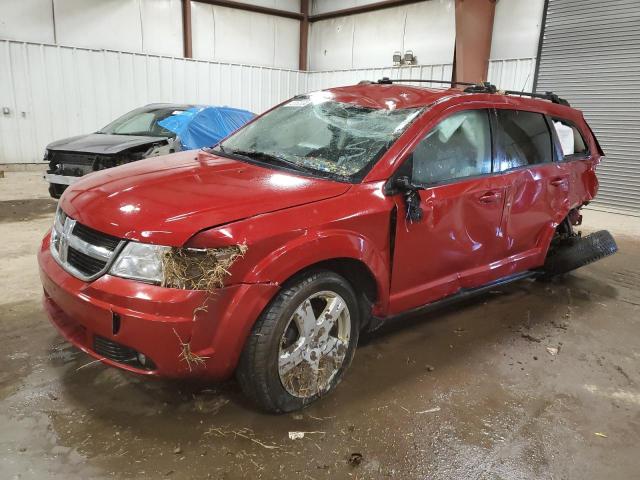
[[142, 358]]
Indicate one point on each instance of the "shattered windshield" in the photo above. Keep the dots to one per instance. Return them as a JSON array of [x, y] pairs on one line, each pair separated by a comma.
[[315, 134], [143, 122]]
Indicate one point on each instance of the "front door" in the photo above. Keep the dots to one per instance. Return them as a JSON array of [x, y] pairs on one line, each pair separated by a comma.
[[458, 238]]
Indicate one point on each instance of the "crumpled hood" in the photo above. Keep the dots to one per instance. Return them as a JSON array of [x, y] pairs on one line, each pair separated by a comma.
[[104, 144], [166, 200]]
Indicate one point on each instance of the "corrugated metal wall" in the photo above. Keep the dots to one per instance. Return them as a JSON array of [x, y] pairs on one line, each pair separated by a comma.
[[54, 92], [591, 55], [336, 78], [512, 74]]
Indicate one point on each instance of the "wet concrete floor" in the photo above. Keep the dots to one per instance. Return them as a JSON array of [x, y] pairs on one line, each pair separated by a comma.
[[533, 380]]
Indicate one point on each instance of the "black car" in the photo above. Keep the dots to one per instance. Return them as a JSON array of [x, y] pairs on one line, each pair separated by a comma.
[[152, 130]]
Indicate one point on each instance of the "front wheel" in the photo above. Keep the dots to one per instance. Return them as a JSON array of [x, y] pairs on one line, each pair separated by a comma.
[[302, 343]]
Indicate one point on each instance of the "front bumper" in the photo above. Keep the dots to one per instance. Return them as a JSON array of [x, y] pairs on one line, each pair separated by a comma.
[[152, 320], [60, 179]]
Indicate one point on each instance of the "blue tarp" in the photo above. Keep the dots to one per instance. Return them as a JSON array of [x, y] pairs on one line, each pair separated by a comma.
[[200, 127]]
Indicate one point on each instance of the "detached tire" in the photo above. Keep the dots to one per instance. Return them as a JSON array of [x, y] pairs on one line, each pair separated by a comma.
[[301, 344], [582, 251]]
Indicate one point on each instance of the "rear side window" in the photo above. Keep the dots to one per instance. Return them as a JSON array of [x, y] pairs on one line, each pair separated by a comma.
[[523, 139], [571, 140], [459, 146]]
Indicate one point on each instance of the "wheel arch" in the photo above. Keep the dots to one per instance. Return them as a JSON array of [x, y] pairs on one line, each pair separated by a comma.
[[353, 256], [357, 274]]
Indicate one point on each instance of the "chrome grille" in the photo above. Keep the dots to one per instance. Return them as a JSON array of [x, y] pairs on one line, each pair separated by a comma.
[[83, 252], [94, 237]]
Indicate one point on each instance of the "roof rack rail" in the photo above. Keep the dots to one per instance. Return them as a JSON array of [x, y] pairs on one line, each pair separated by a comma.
[[554, 98], [484, 87], [387, 80]]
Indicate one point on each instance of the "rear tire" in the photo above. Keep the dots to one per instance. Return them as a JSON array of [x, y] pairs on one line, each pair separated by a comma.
[[268, 373], [581, 251]]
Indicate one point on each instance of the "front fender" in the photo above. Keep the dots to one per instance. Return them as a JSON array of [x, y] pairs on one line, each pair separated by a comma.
[[281, 244], [313, 248]]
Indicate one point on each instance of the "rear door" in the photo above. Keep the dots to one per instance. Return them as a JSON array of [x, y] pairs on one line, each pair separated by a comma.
[[536, 186], [457, 239]]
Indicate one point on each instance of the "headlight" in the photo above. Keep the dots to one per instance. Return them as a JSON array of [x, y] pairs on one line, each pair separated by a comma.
[[56, 231], [140, 261], [45, 157], [186, 268]]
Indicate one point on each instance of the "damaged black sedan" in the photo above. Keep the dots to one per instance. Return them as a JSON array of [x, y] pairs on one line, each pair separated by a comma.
[[149, 131]]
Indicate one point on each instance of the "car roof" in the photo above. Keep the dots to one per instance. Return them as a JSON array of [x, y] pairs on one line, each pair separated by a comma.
[[390, 96], [398, 96], [177, 106]]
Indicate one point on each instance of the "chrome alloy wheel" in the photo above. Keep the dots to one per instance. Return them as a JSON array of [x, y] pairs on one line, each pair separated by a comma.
[[314, 344]]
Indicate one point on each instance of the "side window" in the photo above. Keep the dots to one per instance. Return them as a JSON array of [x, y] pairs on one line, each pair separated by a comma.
[[459, 146], [523, 139], [571, 139]]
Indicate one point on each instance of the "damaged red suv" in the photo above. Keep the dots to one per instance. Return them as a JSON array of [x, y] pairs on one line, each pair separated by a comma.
[[267, 255]]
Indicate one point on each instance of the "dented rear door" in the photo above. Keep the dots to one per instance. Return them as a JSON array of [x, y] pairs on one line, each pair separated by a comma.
[[537, 187]]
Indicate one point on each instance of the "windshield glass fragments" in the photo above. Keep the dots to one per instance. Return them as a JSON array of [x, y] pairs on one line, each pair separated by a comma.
[[322, 136]]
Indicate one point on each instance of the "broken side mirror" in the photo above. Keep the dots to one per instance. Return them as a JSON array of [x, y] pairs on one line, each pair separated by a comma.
[[411, 196], [404, 184]]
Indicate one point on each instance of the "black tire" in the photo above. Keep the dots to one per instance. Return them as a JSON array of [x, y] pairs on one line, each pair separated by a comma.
[[581, 251], [56, 190], [257, 370]]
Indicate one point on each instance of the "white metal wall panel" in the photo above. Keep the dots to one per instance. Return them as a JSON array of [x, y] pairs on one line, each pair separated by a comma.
[[113, 24], [331, 44], [516, 29], [155, 27], [161, 27], [512, 74], [376, 36], [27, 20], [225, 34], [591, 56], [289, 5], [324, 6], [430, 31], [368, 40], [338, 78], [286, 43], [54, 92], [203, 27], [246, 35]]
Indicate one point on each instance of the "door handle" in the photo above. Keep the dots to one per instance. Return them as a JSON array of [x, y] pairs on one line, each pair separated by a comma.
[[558, 181], [489, 197]]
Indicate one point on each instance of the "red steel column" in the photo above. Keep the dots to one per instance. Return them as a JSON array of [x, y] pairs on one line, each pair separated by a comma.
[[474, 27], [186, 29], [304, 34]]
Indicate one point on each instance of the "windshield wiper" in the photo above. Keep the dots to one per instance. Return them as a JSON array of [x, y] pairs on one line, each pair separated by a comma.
[[270, 158]]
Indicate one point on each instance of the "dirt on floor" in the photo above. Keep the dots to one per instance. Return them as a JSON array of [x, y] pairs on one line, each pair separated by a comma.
[[534, 380]]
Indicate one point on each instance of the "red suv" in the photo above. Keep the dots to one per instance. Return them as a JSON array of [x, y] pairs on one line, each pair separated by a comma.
[[333, 212]]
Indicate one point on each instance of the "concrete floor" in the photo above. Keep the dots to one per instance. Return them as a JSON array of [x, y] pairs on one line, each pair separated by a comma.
[[470, 392]]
